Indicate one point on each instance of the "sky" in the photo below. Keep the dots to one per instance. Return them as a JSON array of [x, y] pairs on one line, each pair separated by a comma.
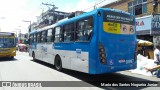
[[13, 12]]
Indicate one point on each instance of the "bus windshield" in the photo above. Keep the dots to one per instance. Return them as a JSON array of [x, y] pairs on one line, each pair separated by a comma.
[[7, 42], [118, 23]]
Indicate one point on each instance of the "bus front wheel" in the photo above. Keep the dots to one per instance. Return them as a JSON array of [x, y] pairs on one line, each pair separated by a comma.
[[58, 63], [12, 57]]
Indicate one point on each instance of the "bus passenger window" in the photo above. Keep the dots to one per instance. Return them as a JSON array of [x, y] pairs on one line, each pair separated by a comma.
[[44, 36], [69, 32], [53, 35], [35, 38], [58, 34], [31, 38], [84, 29], [49, 35], [39, 37]]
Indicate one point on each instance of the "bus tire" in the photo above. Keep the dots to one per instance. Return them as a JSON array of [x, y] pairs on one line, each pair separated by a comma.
[[58, 63], [33, 55], [12, 57]]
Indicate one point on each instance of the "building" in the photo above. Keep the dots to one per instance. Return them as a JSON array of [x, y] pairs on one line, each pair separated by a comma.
[[33, 26], [22, 38], [50, 17], [147, 14]]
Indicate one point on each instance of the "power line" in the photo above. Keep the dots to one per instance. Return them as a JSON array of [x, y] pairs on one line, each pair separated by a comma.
[[53, 6], [36, 10], [94, 6]]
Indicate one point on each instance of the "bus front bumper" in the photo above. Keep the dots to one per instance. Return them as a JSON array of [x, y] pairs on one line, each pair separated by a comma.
[[9, 54]]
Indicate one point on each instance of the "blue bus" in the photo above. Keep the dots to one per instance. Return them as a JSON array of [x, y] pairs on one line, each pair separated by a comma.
[[96, 42]]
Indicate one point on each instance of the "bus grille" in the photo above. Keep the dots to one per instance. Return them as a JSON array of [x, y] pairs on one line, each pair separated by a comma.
[[4, 51]]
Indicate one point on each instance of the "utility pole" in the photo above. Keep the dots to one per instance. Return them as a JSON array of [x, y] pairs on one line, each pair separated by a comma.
[[50, 10], [53, 6]]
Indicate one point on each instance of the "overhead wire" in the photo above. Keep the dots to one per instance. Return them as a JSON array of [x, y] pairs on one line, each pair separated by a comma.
[[38, 9], [94, 5]]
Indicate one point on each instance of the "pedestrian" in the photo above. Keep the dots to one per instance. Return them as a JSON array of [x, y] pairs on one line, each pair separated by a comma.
[[26, 49], [157, 55], [155, 70], [85, 37], [151, 69]]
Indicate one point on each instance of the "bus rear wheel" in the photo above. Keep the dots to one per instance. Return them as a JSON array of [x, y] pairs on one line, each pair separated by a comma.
[[58, 63]]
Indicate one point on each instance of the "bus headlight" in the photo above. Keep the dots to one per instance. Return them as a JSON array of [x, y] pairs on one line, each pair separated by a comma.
[[102, 54], [14, 51]]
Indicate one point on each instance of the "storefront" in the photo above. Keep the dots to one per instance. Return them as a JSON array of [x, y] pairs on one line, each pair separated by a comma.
[[143, 28], [155, 31], [148, 28]]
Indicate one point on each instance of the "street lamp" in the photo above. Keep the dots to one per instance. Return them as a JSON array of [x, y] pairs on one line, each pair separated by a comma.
[[19, 32], [19, 35], [29, 25]]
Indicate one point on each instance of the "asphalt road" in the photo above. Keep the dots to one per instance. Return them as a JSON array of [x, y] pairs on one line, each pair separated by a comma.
[[22, 68]]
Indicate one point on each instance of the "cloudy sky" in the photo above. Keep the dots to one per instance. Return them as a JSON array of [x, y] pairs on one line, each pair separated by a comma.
[[12, 12]]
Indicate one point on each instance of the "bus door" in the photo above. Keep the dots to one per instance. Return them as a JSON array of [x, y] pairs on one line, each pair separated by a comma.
[[38, 52], [48, 47], [44, 50]]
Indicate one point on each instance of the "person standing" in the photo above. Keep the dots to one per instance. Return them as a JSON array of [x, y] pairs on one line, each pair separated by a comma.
[[156, 70], [157, 55]]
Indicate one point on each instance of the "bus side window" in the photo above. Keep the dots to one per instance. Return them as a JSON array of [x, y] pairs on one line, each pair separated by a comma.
[[89, 28], [39, 37], [59, 34], [53, 35], [49, 35], [84, 29], [31, 38], [79, 31], [69, 32], [35, 38], [44, 36]]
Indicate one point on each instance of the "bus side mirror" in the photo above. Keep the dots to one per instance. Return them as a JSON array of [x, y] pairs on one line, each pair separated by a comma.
[[16, 40]]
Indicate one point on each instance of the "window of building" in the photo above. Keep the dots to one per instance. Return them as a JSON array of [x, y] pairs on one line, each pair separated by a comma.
[[84, 29], [69, 32], [58, 34], [137, 7]]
